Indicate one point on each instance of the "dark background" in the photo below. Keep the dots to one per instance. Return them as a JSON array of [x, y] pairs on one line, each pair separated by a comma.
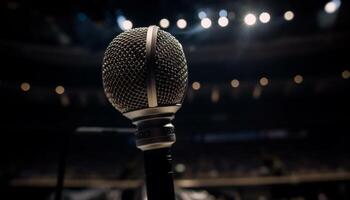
[[254, 132]]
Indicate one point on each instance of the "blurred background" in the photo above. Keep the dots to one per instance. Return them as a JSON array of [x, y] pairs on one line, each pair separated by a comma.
[[266, 116]]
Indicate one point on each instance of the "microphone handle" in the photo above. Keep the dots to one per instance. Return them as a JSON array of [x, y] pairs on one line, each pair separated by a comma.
[[159, 174]]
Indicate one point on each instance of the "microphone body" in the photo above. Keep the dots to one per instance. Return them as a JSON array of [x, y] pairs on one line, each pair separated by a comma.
[[159, 174], [145, 78]]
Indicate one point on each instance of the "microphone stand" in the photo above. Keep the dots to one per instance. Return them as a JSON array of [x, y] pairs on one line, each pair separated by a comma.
[[62, 167], [155, 138], [159, 174]]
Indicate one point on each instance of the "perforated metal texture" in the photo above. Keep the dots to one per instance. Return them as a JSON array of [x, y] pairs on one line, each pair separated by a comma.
[[124, 72], [171, 70]]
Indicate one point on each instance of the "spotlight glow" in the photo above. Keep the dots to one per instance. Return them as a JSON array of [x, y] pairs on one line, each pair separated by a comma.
[[215, 95], [181, 23], [235, 83], [25, 87], [345, 74], [289, 15], [202, 15], [59, 89], [180, 168], [264, 81], [223, 21], [196, 85], [250, 19], [264, 17], [164, 23], [206, 23], [298, 79], [332, 6], [127, 24]]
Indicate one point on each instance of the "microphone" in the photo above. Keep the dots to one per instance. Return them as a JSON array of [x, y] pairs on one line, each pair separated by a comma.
[[145, 77]]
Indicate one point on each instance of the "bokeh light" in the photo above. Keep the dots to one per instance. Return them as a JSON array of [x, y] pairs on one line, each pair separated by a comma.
[[59, 89], [298, 79], [181, 23], [250, 19], [206, 23], [164, 23], [25, 87], [264, 17], [196, 85], [235, 83], [289, 15], [264, 81], [223, 21]]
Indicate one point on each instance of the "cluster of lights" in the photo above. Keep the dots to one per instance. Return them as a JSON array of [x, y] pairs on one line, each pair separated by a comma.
[[215, 94], [264, 81], [25, 87], [250, 19], [223, 21], [265, 17]]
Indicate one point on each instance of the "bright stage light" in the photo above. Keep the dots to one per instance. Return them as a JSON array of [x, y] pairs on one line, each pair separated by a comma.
[[332, 6], [206, 23], [127, 24], [223, 21], [181, 23], [123, 23], [164, 23], [250, 19], [289, 15], [264, 17]]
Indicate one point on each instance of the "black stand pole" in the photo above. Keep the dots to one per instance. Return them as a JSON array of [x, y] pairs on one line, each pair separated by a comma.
[[62, 167], [159, 174]]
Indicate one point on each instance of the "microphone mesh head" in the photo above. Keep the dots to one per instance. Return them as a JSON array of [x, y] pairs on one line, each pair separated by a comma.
[[124, 72]]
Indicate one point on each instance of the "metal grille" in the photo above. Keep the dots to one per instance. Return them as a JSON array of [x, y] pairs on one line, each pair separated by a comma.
[[171, 70], [124, 73]]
